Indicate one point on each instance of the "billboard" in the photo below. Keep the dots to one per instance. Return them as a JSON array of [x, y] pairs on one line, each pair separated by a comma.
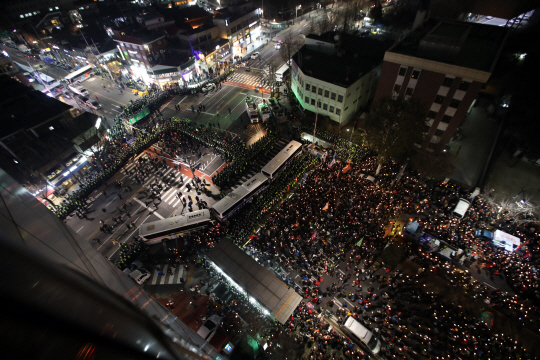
[[506, 241]]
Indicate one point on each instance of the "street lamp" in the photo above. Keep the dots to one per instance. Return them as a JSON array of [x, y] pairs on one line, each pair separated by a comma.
[[298, 7]]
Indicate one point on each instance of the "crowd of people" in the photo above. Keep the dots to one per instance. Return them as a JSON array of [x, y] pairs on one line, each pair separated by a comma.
[[338, 216], [117, 151]]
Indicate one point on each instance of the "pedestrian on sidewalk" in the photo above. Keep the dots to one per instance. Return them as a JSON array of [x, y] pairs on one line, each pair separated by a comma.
[[104, 193], [217, 113]]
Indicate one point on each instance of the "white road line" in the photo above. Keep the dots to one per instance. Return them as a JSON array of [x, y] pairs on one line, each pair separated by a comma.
[[80, 229], [152, 211], [164, 276], [169, 194]]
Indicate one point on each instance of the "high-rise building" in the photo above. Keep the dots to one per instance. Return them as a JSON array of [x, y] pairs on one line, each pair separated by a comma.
[[444, 65]]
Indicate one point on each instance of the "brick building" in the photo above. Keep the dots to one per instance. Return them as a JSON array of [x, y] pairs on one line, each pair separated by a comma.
[[444, 65]]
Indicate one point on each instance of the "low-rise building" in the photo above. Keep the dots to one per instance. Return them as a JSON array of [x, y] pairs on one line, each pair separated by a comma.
[[42, 140], [336, 74]]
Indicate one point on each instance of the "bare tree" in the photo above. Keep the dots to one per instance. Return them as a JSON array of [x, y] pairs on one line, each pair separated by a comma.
[[518, 209], [289, 47]]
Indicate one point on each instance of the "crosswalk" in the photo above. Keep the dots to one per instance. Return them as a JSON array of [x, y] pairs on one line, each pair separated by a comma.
[[178, 183], [178, 273], [247, 78]]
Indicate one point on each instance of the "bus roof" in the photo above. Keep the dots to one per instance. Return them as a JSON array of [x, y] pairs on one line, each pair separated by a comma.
[[282, 69], [281, 157], [239, 193], [176, 221], [78, 72]]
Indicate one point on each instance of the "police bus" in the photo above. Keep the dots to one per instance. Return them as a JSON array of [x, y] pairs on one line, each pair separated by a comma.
[[280, 161], [281, 72], [234, 201], [173, 227]]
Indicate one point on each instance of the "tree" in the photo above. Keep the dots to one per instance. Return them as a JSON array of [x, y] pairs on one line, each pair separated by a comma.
[[289, 47], [393, 126], [433, 165]]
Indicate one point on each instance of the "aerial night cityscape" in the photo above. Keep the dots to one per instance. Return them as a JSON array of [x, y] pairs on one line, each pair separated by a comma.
[[270, 179]]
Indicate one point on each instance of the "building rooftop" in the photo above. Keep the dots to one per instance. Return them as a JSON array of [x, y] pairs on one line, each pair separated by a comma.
[[469, 45], [21, 107], [354, 57]]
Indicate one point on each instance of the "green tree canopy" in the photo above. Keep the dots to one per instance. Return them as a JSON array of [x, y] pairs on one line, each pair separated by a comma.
[[393, 126]]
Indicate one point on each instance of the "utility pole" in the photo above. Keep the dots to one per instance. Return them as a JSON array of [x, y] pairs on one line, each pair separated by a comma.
[[99, 60], [316, 117]]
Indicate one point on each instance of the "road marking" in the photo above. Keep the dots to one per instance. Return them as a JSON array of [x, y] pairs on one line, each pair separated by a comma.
[[152, 211], [80, 229], [110, 202], [106, 97]]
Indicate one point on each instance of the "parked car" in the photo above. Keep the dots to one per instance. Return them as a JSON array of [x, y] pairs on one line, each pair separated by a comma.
[[209, 328], [208, 87], [255, 55], [93, 104]]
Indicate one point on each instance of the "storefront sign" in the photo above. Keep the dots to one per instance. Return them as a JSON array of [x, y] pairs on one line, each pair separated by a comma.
[[145, 112]]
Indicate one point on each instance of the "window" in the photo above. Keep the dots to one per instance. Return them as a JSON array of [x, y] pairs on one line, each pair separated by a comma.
[[307, 87], [446, 119], [319, 104], [312, 101], [307, 100], [346, 108], [402, 71], [439, 99], [426, 129], [397, 88], [338, 111], [415, 74], [331, 109], [409, 91], [447, 82], [454, 103], [340, 98], [326, 93], [439, 133], [333, 97], [313, 89], [464, 85], [325, 106], [431, 114], [320, 91]]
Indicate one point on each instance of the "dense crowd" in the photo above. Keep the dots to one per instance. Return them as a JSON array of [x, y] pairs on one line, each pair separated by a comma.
[[117, 151], [338, 217]]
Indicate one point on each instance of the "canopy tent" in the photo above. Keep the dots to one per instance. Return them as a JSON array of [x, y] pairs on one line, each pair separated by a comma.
[[271, 293]]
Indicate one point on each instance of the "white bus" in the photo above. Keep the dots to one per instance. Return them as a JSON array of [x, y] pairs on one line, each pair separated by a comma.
[[74, 76], [154, 232], [280, 73], [232, 202], [361, 333], [280, 161]]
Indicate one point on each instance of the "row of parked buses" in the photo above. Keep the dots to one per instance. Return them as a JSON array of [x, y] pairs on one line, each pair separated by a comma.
[[175, 226]]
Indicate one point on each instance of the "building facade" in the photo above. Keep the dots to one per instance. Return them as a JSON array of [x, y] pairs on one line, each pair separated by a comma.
[[444, 65], [336, 75]]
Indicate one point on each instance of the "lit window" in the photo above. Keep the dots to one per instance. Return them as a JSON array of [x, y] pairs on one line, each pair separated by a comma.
[[51, 128], [56, 7], [22, 16], [415, 74]]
